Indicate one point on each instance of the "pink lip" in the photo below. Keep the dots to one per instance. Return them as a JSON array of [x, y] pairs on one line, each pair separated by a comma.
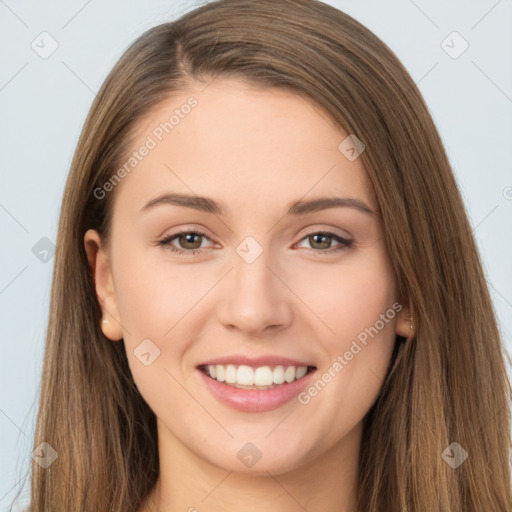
[[255, 362], [256, 400]]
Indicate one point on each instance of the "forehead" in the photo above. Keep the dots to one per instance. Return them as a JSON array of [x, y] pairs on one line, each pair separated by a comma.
[[236, 142]]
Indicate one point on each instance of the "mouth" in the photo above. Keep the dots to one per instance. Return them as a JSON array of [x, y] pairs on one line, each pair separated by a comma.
[[256, 378]]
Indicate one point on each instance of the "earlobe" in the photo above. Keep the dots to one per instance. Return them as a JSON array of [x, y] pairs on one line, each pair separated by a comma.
[[405, 323], [102, 274]]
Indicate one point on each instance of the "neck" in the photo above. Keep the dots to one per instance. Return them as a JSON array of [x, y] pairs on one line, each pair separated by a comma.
[[188, 483]]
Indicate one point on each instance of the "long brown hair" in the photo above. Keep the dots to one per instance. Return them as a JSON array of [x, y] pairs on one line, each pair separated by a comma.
[[446, 385]]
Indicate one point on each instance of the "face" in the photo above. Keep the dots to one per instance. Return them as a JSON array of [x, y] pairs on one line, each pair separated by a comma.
[[255, 283]]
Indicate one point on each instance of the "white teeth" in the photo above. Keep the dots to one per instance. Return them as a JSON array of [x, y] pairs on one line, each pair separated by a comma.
[[300, 372], [278, 376], [230, 374], [289, 374], [221, 373], [245, 375], [263, 376]]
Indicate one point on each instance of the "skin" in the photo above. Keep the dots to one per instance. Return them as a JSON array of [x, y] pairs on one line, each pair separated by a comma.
[[255, 151]]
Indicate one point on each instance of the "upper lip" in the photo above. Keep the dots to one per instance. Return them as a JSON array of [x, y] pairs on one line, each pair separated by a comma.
[[268, 360]]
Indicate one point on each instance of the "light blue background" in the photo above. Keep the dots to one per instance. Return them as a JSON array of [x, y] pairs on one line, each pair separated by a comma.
[[44, 103]]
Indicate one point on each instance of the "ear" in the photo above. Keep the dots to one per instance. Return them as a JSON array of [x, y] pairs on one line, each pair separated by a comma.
[[405, 325], [100, 267]]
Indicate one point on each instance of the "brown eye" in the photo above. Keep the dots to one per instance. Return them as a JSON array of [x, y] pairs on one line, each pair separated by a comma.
[[188, 242], [321, 242]]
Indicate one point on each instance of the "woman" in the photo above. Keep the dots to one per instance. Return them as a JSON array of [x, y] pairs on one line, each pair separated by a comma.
[[329, 344]]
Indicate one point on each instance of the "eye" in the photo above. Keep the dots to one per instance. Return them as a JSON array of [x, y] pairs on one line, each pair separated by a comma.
[[188, 240], [323, 242]]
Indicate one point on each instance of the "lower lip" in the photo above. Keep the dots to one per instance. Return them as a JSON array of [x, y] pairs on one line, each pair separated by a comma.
[[256, 400]]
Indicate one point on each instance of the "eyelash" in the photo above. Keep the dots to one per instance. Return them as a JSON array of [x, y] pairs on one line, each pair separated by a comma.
[[166, 242]]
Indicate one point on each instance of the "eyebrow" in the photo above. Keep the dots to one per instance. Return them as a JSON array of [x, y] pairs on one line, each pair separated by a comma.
[[208, 205]]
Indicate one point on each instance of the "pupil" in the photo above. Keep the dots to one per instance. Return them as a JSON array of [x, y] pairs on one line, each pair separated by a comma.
[[326, 245], [188, 238]]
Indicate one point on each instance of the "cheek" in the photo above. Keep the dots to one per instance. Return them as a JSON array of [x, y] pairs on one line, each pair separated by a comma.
[[357, 308], [159, 301], [151, 296], [349, 297], [151, 302]]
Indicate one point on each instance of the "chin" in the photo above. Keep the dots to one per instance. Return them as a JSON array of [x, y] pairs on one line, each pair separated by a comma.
[[248, 460]]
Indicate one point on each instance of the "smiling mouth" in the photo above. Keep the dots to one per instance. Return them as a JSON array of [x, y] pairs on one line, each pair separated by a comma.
[[261, 378]]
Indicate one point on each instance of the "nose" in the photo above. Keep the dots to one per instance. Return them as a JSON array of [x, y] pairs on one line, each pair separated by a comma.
[[254, 298]]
